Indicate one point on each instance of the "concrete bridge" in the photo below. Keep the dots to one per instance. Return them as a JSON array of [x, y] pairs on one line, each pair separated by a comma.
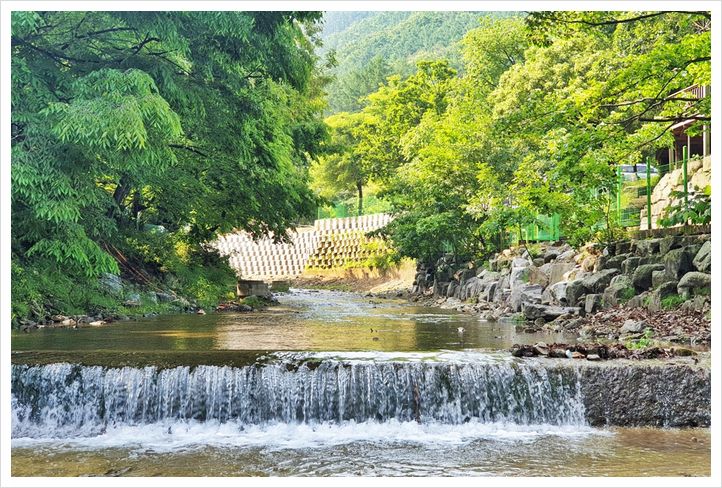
[[328, 243]]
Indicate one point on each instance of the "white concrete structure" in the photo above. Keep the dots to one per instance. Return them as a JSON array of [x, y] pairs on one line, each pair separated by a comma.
[[329, 242]]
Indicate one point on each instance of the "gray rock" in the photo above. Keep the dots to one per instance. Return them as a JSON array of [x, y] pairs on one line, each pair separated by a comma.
[[164, 297], [488, 293], [538, 276], [694, 283], [551, 254], [592, 303], [659, 277], [555, 271], [452, 289], [525, 294], [660, 293], [520, 262], [533, 311], [597, 282], [620, 290], [630, 264], [677, 262], [638, 300], [440, 288], [558, 292], [703, 259], [112, 283], [566, 256], [647, 246], [575, 289], [632, 327], [518, 276], [668, 243], [642, 276], [622, 247], [612, 262]]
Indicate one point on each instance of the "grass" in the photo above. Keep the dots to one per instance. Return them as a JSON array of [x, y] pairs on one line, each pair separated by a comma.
[[643, 342], [672, 301], [626, 294]]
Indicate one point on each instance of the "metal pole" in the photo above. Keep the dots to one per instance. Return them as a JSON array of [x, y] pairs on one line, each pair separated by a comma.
[[684, 177], [619, 194], [649, 197]]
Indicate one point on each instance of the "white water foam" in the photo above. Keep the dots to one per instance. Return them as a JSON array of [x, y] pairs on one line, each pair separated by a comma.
[[175, 436]]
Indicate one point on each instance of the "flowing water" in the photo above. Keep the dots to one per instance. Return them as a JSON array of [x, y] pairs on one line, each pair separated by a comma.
[[325, 384]]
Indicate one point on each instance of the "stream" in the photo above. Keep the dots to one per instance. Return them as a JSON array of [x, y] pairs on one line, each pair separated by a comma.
[[324, 384]]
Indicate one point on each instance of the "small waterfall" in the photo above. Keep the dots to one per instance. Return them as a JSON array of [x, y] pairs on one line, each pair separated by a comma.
[[60, 400]]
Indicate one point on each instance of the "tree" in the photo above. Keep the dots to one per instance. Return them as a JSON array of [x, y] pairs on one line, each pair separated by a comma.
[[199, 122], [343, 168]]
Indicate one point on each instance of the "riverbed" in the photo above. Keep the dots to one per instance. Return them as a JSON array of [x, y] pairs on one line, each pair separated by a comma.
[[324, 384]]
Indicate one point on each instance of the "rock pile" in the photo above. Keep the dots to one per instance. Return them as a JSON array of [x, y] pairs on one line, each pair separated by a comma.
[[561, 285]]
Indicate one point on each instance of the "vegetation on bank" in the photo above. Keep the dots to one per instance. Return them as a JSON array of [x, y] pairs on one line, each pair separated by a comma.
[[534, 121], [137, 137]]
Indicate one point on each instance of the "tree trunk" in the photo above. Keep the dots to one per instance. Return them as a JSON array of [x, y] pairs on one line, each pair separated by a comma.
[[360, 188], [120, 194]]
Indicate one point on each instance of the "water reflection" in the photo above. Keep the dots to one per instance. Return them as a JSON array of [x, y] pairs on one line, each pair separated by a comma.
[[304, 320]]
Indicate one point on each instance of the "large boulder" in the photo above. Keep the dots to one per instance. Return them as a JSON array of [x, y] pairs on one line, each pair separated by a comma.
[[518, 276], [551, 254], [619, 291], [677, 262], [575, 289], [592, 302], [694, 283], [488, 294], [703, 259], [502, 291], [668, 243], [440, 288], [555, 271], [630, 264], [660, 293], [647, 246], [642, 276], [566, 256], [597, 282], [112, 283], [533, 311], [539, 276], [556, 294], [611, 262], [452, 289], [471, 288], [525, 294]]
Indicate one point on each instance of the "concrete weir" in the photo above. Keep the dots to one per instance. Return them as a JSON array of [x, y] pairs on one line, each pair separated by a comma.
[[301, 387], [655, 394]]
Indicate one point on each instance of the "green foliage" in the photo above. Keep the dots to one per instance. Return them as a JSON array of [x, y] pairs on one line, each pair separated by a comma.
[[697, 210], [643, 342], [626, 294], [370, 47], [534, 122], [672, 301], [200, 122]]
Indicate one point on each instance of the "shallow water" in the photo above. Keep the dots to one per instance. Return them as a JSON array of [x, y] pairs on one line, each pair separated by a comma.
[[304, 321], [388, 350], [371, 449]]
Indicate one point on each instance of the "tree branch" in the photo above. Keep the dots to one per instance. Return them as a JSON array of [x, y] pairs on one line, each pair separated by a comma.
[[189, 148]]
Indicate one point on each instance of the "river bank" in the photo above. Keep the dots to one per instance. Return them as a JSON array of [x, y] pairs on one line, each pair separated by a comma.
[[638, 290]]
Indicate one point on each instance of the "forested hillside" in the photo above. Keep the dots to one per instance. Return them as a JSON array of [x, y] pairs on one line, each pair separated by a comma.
[[542, 112], [368, 47]]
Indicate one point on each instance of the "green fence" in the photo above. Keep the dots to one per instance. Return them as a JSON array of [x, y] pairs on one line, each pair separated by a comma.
[[635, 184], [546, 228]]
